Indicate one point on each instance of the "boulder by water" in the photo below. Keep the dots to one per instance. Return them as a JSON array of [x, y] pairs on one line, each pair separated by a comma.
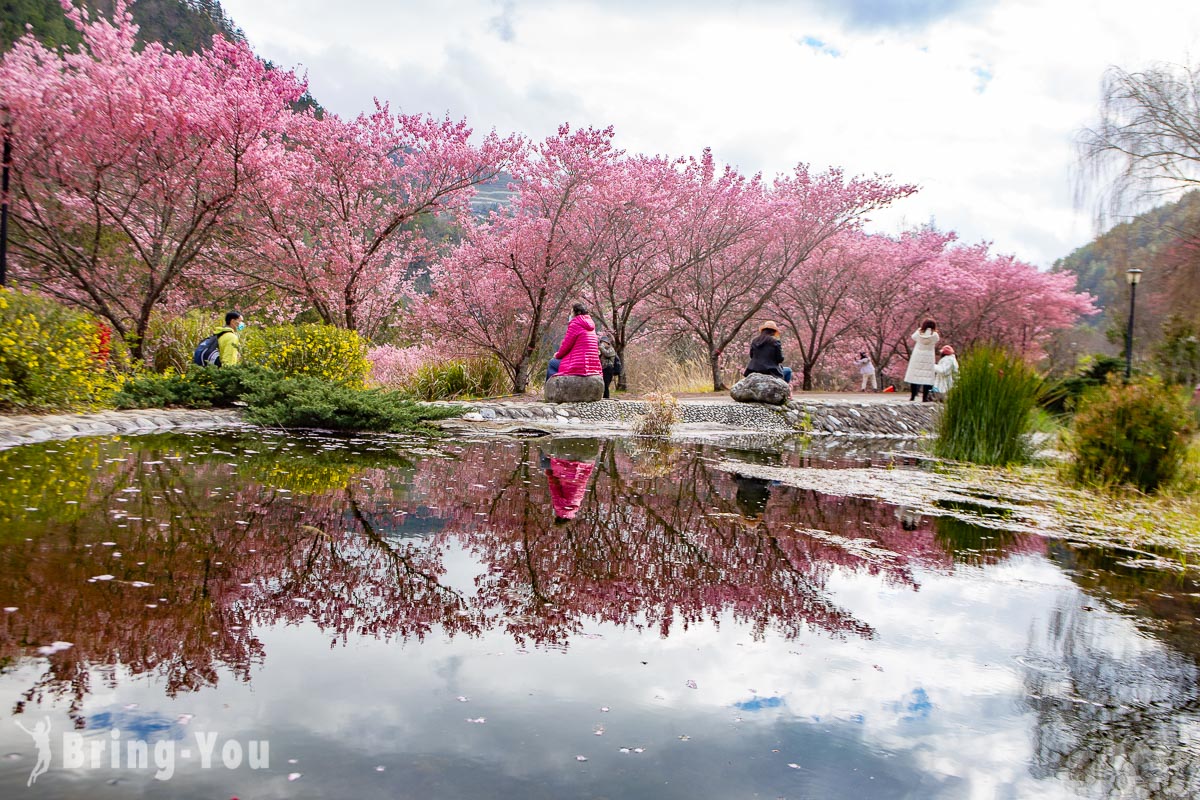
[[759, 388], [574, 389]]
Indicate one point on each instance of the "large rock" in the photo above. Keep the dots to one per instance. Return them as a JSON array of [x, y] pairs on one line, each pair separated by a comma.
[[574, 389], [759, 388]]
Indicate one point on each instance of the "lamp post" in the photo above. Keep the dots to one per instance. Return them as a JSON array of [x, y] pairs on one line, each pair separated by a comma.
[[1132, 276], [6, 126]]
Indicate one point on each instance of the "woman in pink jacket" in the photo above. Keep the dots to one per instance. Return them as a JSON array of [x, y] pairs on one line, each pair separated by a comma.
[[579, 353]]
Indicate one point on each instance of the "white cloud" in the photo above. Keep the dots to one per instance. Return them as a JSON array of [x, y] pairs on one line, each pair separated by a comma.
[[978, 102]]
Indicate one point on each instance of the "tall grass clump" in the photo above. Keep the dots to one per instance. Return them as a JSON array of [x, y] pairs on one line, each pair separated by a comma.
[[1134, 434], [989, 410], [459, 378]]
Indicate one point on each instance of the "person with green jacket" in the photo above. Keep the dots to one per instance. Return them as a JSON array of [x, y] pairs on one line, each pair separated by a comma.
[[229, 344]]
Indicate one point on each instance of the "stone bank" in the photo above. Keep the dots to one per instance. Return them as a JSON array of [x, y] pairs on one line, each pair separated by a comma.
[[819, 418]]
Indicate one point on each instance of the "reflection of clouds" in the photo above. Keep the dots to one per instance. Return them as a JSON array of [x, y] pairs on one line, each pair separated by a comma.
[[933, 703]]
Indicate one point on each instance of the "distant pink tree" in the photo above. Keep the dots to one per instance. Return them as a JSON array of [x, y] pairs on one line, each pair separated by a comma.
[[517, 273], [729, 279], [130, 160], [631, 231], [816, 303], [980, 297], [338, 231], [895, 292]]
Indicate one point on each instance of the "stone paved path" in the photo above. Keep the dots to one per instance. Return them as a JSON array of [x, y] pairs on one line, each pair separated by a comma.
[[28, 428]]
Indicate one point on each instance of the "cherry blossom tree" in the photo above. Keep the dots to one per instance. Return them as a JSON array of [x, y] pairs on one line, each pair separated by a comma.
[[632, 231], [815, 304], [892, 295], [518, 272], [730, 279], [129, 161], [338, 230], [978, 296]]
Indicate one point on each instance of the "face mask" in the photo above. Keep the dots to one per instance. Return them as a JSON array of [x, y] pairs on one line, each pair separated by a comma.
[[241, 326]]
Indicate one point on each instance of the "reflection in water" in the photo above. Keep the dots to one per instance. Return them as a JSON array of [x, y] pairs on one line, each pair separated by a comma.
[[172, 558], [203, 544], [752, 495], [1120, 718]]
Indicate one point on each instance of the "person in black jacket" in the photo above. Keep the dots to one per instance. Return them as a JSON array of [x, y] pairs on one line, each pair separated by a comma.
[[766, 354]]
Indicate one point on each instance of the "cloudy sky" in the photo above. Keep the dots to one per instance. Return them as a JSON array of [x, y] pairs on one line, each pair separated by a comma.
[[977, 101]]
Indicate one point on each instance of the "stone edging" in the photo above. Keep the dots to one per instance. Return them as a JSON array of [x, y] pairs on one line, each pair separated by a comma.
[[30, 428], [884, 420]]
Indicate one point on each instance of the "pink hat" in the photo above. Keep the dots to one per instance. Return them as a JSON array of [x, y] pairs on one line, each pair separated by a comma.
[[947, 350]]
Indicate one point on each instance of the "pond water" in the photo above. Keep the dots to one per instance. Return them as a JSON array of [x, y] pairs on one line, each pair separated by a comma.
[[569, 618]]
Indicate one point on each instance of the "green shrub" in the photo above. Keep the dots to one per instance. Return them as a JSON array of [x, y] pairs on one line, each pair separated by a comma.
[[200, 387], [988, 412], [1134, 433], [312, 403], [1062, 396], [460, 378], [52, 357], [318, 351]]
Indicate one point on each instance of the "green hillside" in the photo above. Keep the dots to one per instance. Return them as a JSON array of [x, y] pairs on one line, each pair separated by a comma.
[[186, 25], [1100, 265]]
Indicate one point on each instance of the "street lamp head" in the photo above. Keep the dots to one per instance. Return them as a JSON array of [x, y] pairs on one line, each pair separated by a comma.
[[1133, 276]]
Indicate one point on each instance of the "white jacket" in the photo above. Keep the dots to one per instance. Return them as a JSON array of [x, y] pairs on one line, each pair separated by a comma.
[[920, 363], [944, 373]]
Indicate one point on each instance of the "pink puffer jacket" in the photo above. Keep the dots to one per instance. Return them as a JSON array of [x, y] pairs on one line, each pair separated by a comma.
[[580, 350]]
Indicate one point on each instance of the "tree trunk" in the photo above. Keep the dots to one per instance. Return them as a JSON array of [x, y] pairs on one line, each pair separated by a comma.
[[137, 347], [714, 360], [622, 381], [806, 371], [521, 379]]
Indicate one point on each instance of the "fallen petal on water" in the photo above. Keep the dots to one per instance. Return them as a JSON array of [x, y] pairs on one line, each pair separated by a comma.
[[581, 758], [793, 765], [692, 685], [294, 775]]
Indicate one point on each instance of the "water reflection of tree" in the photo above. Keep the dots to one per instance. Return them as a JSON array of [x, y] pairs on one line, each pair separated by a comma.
[[1122, 723], [203, 558], [658, 552], [230, 534]]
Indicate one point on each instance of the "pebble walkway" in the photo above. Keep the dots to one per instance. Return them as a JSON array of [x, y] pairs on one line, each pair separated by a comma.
[[30, 428]]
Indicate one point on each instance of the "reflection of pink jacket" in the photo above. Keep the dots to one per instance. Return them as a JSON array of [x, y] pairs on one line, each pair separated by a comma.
[[580, 350], [568, 482]]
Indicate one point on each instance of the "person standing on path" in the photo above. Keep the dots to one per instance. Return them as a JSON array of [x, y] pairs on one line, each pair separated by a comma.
[[766, 354], [920, 374], [867, 370], [945, 371]]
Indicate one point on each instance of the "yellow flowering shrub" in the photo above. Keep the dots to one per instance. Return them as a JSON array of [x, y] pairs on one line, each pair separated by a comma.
[[52, 357], [319, 351]]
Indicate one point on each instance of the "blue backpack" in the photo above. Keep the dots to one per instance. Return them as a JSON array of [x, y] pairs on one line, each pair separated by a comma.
[[208, 352]]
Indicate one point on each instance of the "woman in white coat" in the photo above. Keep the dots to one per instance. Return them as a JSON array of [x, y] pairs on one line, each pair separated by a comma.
[[945, 371], [920, 374]]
